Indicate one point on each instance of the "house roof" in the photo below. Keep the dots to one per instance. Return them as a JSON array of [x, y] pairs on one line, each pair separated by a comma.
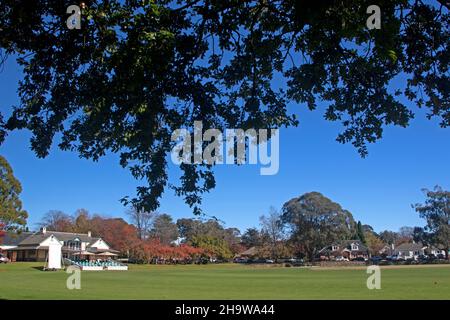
[[36, 238], [249, 252], [345, 244], [66, 236], [13, 239]]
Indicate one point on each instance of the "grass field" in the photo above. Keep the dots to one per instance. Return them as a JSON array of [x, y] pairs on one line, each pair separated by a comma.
[[26, 281]]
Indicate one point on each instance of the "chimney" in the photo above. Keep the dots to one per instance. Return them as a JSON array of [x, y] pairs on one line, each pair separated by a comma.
[[89, 234], [44, 230]]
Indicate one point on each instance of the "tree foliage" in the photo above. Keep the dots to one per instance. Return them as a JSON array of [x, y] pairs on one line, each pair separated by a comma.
[[389, 237], [2, 232], [142, 219], [12, 215], [374, 243], [191, 230], [436, 211], [137, 70], [164, 229], [57, 220], [252, 238], [212, 247], [316, 221], [272, 229], [360, 234]]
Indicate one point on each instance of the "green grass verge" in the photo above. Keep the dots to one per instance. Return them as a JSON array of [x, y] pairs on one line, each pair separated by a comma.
[[228, 281]]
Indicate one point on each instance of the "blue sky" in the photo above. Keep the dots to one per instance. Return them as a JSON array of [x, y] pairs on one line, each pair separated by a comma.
[[378, 190]]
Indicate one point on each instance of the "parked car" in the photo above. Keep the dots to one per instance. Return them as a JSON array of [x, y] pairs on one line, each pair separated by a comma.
[[240, 260], [341, 258], [376, 259], [3, 259], [362, 259], [423, 257], [269, 261], [396, 258]]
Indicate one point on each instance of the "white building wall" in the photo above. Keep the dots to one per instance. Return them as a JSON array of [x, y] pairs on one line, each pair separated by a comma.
[[100, 244]]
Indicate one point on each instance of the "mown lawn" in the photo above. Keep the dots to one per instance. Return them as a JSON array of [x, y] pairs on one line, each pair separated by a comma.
[[26, 281]]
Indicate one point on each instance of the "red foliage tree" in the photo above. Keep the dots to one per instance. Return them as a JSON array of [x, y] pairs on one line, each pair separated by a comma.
[[2, 232], [116, 232], [149, 251]]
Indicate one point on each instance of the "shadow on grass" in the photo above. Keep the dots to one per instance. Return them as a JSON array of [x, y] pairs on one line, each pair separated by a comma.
[[40, 268]]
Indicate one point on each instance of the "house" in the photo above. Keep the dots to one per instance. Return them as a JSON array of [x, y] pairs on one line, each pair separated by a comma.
[[387, 250], [11, 240], [34, 246], [409, 250], [350, 249], [249, 253], [434, 251]]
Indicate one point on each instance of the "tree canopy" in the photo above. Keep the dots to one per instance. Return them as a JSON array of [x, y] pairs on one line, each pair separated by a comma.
[[315, 222], [164, 229], [436, 211], [12, 215], [139, 69]]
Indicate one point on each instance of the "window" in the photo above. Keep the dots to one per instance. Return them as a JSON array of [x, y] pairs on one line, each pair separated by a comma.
[[354, 247], [74, 244], [334, 248]]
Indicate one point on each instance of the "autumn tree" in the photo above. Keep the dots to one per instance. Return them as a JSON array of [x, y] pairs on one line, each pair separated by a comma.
[[232, 236], [116, 232], [138, 70], [81, 221], [12, 215], [374, 243], [56, 220], [2, 232], [436, 211]]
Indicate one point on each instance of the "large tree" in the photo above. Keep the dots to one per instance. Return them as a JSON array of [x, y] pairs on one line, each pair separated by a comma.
[[116, 232], [251, 238], [137, 70], [189, 228], [81, 221], [164, 229], [374, 243], [360, 234], [315, 222], [436, 211], [57, 220], [142, 219], [272, 229], [12, 215], [389, 237], [212, 247]]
